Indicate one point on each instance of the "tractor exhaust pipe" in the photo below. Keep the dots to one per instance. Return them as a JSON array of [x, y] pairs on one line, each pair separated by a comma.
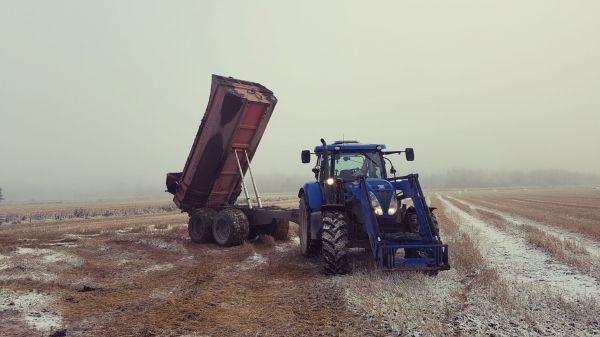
[[325, 160], [328, 194]]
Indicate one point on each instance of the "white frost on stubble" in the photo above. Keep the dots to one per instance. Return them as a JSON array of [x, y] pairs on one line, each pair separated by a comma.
[[517, 261], [590, 245]]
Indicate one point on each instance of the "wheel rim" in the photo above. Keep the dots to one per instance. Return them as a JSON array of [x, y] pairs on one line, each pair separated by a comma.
[[222, 231]]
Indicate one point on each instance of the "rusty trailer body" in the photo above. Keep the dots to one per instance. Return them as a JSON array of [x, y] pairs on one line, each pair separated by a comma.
[[212, 179]]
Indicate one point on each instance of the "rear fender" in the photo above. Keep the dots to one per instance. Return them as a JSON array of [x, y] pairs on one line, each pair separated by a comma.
[[311, 192], [312, 195]]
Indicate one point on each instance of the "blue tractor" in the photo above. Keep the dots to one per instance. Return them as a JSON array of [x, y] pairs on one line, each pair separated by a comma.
[[355, 203]]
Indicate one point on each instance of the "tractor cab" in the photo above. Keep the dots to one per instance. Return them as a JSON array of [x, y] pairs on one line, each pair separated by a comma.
[[350, 160]]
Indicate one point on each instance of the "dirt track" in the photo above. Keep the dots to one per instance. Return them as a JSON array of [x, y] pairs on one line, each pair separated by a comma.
[[141, 276]]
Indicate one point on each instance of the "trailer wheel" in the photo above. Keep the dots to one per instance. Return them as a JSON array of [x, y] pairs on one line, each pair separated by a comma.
[[308, 247], [279, 229], [335, 243], [200, 225], [230, 227]]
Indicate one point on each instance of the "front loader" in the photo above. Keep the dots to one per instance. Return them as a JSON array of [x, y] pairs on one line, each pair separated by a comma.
[[354, 203]]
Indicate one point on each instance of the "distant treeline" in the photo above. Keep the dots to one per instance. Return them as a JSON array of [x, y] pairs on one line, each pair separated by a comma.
[[459, 178], [465, 178]]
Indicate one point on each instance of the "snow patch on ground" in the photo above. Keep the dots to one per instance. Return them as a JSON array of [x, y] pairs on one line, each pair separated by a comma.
[[124, 230], [592, 246], [286, 246], [158, 243], [517, 261], [81, 236], [164, 293], [62, 244], [33, 264], [281, 248], [51, 256], [33, 308], [253, 261], [160, 267], [168, 228]]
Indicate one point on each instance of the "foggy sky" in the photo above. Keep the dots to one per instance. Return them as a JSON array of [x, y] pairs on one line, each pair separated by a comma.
[[98, 97]]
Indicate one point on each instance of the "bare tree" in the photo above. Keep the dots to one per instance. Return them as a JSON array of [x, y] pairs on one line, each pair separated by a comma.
[[1, 196]]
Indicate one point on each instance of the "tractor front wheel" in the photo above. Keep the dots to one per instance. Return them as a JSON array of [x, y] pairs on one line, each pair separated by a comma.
[[200, 224], [335, 243], [230, 227]]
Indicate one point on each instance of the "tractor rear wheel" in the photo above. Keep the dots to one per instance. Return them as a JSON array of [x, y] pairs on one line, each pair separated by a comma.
[[335, 243], [200, 225], [308, 247], [230, 227]]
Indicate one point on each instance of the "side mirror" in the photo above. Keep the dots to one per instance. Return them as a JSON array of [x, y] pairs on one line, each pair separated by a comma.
[[410, 154], [305, 156]]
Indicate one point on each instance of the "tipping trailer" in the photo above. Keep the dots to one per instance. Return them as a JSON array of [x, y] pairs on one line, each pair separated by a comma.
[[213, 176]]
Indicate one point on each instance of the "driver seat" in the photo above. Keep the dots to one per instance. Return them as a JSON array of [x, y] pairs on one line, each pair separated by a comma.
[[346, 175]]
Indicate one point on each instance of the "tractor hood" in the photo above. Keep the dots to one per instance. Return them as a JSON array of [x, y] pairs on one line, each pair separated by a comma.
[[376, 184], [383, 190]]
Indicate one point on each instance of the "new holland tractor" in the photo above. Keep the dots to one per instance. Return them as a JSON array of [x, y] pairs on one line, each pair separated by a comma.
[[353, 202]]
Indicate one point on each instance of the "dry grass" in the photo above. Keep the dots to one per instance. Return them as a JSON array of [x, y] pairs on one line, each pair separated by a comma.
[[569, 252], [570, 210], [540, 311], [566, 251], [18, 214]]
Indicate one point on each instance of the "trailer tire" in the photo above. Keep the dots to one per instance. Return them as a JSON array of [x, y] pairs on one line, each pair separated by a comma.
[[308, 247], [335, 243], [200, 225], [279, 229], [230, 227]]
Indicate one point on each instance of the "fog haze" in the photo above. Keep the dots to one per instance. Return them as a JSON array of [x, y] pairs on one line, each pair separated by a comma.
[[100, 99]]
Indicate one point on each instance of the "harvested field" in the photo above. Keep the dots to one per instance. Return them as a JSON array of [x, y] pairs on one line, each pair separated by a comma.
[[138, 274]]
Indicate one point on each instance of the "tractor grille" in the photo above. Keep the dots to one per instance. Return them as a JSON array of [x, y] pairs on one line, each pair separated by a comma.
[[384, 198]]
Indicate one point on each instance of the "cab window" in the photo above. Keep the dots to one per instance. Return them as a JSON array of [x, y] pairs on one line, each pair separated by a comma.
[[348, 166]]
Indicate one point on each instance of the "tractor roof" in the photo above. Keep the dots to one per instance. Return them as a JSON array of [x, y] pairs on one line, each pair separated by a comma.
[[350, 145]]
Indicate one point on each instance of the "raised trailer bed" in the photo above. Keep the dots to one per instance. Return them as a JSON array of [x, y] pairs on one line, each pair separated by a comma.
[[213, 176]]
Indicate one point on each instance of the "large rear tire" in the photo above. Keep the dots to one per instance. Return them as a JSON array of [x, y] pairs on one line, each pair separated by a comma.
[[335, 243], [230, 227], [308, 247], [200, 225]]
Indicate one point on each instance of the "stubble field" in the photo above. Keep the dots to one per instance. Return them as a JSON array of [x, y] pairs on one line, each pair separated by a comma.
[[524, 262]]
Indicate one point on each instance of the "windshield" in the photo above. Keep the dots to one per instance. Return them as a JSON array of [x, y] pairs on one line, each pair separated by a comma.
[[349, 165]]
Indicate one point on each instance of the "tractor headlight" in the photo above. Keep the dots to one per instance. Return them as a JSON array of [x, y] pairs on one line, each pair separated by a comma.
[[375, 204], [330, 181], [393, 205]]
